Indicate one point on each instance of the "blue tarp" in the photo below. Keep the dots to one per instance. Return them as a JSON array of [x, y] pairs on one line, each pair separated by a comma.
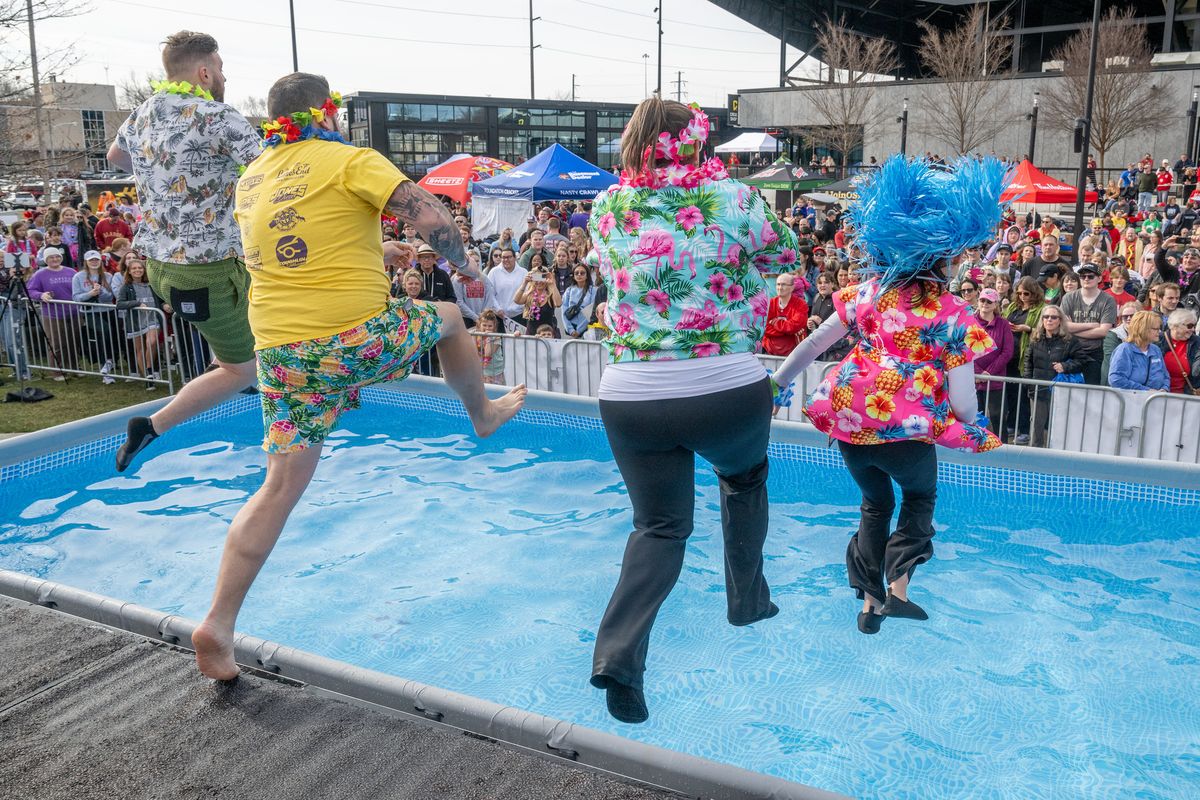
[[553, 174]]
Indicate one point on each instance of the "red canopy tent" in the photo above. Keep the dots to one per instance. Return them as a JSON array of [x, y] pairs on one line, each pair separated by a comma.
[[1030, 185], [454, 176]]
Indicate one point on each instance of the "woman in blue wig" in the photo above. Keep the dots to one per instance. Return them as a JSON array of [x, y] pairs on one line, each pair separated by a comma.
[[909, 382]]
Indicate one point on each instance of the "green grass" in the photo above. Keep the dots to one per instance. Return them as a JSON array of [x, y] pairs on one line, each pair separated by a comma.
[[80, 396]]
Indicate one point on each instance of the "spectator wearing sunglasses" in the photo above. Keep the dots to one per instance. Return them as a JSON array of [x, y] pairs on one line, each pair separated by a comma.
[[968, 290], [1089, 314], [996, 362], [1137, 364], [1119, 334]]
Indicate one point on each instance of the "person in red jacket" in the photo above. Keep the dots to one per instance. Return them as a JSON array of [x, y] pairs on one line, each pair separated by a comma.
[[111, 228], [787, 318], [1163, 182]]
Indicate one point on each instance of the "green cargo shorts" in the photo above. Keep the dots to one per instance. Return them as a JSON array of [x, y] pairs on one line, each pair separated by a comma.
[[215, 298]]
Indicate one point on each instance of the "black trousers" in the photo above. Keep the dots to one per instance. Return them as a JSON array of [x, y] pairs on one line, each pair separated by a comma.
[[655, 443], [875, 554]]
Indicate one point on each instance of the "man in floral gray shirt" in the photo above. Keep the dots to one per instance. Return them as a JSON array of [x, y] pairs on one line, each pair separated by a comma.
[[186, 149]]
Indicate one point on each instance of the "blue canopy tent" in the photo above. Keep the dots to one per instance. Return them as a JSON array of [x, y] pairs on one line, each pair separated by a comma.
[[505, 200]]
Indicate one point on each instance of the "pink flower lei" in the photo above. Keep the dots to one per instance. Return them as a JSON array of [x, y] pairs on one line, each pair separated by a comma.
[[677, 149]]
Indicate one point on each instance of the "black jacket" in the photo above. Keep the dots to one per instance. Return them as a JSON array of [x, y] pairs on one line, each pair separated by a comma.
[[436, 285], [1041, 355]]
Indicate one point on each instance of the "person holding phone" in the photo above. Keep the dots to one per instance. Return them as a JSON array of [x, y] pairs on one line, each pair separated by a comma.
[[539, 295]]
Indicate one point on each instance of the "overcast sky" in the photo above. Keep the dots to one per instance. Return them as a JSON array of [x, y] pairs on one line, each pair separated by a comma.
[[472, 47]]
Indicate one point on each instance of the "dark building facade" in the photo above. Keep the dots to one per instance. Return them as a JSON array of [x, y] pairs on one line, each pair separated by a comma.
[[417, 131]]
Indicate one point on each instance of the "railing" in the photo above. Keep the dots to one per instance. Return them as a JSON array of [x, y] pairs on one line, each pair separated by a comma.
[[63, 337], [81, 338], [1170, 428]]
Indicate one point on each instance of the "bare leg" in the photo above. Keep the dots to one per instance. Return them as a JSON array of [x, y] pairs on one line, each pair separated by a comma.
[[139, 353], [203, 392], [464, 374], [899, 588], [251, 537]]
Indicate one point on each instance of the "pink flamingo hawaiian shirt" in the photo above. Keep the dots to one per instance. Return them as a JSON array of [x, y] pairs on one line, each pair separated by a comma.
[[683, 268]]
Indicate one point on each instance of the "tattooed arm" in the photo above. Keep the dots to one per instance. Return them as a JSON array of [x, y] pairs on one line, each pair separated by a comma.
[[413, 205]]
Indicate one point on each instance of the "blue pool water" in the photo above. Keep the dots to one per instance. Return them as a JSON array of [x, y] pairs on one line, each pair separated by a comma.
[[1061, 660]]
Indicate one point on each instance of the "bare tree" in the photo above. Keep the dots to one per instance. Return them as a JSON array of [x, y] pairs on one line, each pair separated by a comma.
[[970, 106], [16, 87], [1128, 96], [856, 64], [133, 91], [253, 107]]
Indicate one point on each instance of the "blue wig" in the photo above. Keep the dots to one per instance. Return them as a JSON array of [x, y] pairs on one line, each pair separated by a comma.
[[911, 216]]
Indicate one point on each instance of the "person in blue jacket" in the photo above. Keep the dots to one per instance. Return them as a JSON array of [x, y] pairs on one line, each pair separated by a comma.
[[1137, 363]]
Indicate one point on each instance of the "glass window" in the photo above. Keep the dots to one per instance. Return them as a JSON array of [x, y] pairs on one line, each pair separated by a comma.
[[94, 137]]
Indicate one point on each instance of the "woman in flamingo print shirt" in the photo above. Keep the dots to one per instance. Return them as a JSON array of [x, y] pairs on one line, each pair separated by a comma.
[[681, 250]]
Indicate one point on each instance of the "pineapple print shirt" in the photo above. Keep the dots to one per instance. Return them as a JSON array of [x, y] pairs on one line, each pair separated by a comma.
[[892, 386], [683, 268], [187, 153]]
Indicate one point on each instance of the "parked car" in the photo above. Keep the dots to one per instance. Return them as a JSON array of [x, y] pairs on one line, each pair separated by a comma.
[[21, 200]]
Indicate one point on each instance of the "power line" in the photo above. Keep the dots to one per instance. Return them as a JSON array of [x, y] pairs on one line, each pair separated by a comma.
[[325, 31], [392, 7], [672, 21]]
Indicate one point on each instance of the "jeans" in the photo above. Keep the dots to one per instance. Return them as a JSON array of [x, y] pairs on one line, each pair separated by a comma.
[[1145, 201], [875, 554], [655, 443]]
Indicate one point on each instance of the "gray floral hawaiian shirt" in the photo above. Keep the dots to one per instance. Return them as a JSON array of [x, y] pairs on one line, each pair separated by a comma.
[[187, 155]]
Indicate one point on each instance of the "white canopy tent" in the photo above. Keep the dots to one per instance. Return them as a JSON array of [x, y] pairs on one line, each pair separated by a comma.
[[750, 142]]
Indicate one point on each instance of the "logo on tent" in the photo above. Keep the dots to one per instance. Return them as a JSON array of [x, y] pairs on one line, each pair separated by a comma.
[[443, 181], [576, 176], [520, 173]]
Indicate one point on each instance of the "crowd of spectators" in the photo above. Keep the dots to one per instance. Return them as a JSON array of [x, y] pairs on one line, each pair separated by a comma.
[[1118, 308], [87, 288]]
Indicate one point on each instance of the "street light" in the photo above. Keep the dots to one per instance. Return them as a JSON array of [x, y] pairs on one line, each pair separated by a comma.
[[1032, 117], [903, 120], [645, 75], [1190, 147]]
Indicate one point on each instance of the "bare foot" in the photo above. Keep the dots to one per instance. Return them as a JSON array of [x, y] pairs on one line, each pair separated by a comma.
[[214, 652], [500, 411]]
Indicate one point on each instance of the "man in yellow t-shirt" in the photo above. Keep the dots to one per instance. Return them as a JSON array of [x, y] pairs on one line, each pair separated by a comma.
[[323, 322]]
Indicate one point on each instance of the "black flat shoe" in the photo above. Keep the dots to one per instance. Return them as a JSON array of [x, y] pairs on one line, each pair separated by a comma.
[[625, 703], [902, 609], [869, 621], [139, 433], [771, 611]]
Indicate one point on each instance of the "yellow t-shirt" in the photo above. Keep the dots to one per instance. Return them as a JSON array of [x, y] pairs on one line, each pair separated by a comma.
[[309, 214]]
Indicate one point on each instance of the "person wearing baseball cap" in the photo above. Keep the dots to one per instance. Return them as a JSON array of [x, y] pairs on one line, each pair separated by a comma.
[[991, 394], [1088, 315], [93, 254], [1049, 277]]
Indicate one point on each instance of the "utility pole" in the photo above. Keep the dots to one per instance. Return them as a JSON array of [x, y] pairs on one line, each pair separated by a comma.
[[679, 82], [295, 56], [1081, 190], [37, 104], [903, 120], [658, 86], [532, 47], [573, 85]]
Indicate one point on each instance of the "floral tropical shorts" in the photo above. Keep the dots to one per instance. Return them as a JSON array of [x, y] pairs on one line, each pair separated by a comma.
[[305, 386]]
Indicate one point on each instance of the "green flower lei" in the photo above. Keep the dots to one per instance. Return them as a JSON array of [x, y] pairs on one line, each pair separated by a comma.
[[182, 88]]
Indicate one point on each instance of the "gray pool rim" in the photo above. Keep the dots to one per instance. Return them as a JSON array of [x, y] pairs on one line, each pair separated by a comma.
[[1118, 469], [554, 738], [546, 736]]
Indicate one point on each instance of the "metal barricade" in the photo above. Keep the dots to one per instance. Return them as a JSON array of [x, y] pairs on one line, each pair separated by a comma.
[[512, 360], [1170, 426], [63, 337], [1064, 416], [583, 363], [190, 353]]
